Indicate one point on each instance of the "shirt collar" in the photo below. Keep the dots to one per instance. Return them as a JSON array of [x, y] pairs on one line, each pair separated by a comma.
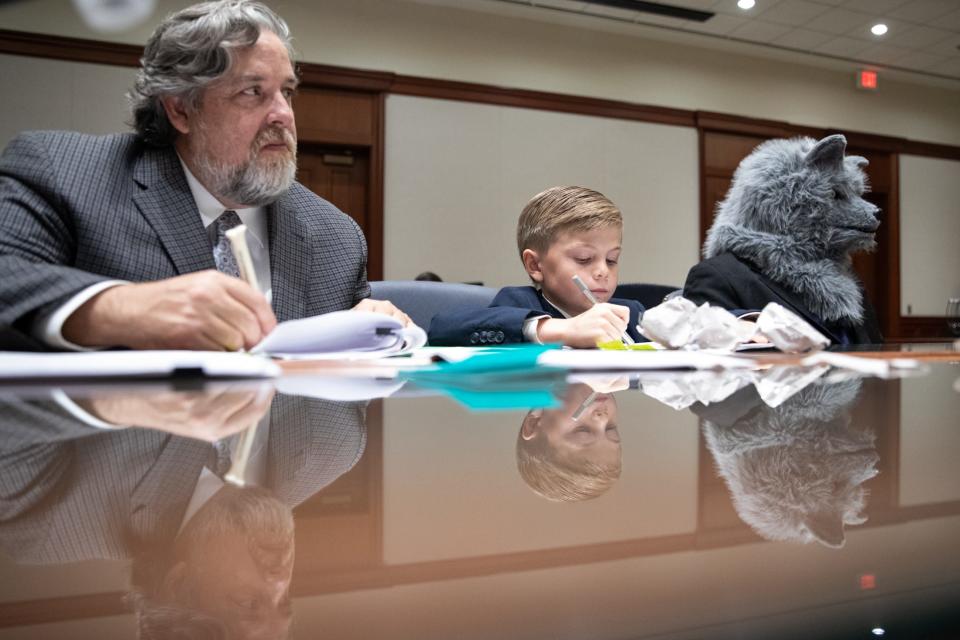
[[557, 307], [210, 209]]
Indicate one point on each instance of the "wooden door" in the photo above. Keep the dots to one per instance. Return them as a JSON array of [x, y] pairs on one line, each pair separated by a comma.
[[337, 174], [340, 157]]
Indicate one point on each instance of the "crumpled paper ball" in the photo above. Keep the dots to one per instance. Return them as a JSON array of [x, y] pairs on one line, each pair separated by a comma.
[[679, 391], [669, 323], [789, 332], [679, 323]]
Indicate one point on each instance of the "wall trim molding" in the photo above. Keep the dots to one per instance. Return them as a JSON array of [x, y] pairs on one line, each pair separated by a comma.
[[923, 328], [329, 76], [38, 45], [726, 123]]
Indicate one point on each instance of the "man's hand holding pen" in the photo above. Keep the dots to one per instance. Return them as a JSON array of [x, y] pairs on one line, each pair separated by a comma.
[[206, 310]]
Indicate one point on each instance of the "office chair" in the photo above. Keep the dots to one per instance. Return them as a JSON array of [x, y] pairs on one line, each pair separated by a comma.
[[649, 295], [421, 300]]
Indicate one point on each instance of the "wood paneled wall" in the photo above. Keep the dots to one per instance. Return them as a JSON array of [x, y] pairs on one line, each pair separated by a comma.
[[343, 106]]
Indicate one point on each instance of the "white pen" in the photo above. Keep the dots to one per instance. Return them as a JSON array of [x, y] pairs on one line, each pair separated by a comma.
[[584, 406], [238, 244], [589, 295]]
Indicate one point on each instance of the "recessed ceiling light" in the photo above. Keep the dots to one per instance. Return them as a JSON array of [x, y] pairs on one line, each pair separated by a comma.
[[746, 4], [878, 29], [878, 631]]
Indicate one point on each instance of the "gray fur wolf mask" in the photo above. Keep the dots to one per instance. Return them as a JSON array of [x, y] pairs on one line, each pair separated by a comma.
[[796, 472], [795, 210]]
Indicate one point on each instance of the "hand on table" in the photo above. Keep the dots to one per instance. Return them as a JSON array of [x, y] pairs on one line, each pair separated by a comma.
[[385, 307], [204, 415], [205, 310]]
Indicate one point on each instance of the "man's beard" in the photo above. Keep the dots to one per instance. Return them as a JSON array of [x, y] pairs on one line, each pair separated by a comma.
[[256, 182], [253, 511]]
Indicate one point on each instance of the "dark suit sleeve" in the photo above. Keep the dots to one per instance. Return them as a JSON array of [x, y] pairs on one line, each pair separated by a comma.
[[37, 244], [363, 287], [500, 323], [706, 283]]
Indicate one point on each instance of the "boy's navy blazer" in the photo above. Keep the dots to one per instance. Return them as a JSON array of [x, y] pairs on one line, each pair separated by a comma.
[[502, 321]]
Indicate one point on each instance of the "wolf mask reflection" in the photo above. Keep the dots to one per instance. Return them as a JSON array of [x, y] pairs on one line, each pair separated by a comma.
[[796, 472]]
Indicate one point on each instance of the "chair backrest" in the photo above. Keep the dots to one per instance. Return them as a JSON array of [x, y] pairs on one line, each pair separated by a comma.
[[421, 300], [649, 295]]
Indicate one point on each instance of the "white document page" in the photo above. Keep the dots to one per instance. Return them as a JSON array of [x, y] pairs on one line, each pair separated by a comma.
[[342, 335], [146, 364]]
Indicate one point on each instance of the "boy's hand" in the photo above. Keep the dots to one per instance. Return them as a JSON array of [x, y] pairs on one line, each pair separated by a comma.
[[601, 323]]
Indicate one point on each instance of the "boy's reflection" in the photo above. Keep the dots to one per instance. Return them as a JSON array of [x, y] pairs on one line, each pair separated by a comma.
[[572, 453], [208, 557], [795, 472]]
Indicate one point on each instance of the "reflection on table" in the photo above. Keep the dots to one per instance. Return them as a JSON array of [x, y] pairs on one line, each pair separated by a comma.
[[800, 502]]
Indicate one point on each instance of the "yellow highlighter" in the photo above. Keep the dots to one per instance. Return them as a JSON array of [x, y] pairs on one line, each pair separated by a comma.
[[238, 243]]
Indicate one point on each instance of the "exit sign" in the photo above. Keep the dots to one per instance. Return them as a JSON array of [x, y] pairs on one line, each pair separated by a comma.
[[867, 79]]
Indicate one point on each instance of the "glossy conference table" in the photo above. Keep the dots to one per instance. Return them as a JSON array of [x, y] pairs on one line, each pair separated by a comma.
[[798, 503]]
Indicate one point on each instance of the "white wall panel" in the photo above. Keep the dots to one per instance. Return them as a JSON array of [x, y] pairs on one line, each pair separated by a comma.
[[929, 234], [458, 175], [52, 94]]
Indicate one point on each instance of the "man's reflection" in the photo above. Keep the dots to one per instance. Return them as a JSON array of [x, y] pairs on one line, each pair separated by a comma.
[[229, 569], [795, 472], [572, 453], [207, 557]]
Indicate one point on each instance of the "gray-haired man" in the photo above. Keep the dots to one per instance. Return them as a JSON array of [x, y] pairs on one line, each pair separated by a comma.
[[117, 240]]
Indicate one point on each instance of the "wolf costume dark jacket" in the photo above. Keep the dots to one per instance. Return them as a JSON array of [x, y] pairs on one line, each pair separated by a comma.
[[735, 284]]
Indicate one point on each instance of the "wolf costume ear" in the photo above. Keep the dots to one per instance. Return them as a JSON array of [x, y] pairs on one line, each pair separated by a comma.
[[858, 161], [828, 153], [827, 528]]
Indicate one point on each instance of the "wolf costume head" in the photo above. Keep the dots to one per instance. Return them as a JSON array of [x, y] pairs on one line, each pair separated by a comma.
[[796, 472], [795, 210]]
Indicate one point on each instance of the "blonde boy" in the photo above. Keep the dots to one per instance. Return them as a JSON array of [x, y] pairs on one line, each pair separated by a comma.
[[562, 232]]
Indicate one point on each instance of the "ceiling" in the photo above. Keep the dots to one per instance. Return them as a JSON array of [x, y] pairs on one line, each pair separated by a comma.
[[923, 36]]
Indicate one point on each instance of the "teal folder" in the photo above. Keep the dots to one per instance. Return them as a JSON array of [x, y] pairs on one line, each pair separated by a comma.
[[496, 378]]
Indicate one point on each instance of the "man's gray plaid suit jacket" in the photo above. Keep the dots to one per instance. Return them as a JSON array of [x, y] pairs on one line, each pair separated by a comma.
[[70, 492], [77, 209]]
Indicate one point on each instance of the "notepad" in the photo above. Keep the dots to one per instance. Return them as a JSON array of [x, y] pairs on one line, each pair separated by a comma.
[[342, 335]]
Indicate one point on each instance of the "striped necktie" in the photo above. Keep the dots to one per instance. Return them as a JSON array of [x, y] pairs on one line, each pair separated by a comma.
[[222, 252]]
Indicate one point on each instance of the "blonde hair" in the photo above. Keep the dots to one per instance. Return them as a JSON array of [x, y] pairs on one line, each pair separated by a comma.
[[562, 209], [560, 480]]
